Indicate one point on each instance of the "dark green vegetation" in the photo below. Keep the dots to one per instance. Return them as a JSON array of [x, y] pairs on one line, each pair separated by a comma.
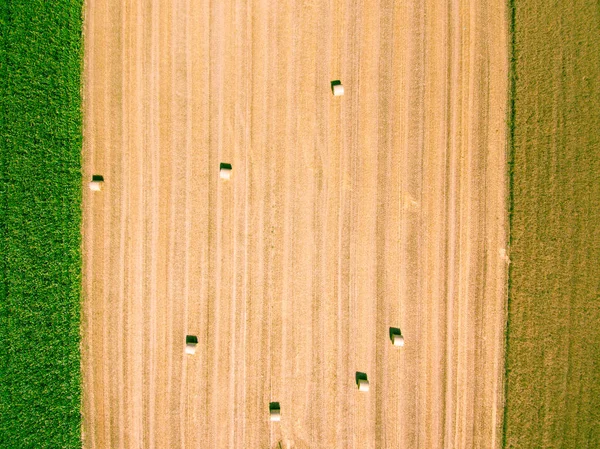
[[40, 218], [553, 344]]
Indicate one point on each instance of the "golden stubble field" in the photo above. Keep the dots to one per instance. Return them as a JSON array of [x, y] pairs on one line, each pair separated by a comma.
[[344, 216]]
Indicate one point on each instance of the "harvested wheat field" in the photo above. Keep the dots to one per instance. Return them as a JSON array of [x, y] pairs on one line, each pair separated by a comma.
[[343, 216]]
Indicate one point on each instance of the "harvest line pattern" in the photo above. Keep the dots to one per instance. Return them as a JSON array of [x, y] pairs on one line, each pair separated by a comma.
[[344, 216]]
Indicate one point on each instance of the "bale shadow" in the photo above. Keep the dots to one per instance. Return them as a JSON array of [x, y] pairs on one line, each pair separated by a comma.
[[274, 406], [191, 339], [335, 83], [394, 331], [360, 376]]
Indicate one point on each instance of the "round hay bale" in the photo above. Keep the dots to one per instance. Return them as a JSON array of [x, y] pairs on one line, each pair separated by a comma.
[[190, 344], [95, 186], [338, 90], [363, 385], [225, 171], [398, 340], [275, 414]]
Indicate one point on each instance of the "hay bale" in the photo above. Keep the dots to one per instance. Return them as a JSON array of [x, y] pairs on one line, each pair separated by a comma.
[[275, 415], [275, 411], [363, 385], [95, 184], [225, 171], [191, 341], [398, 340], [338, 90], [396, 336]]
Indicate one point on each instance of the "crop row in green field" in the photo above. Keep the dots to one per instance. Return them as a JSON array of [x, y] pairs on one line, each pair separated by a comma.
[[40, 218]]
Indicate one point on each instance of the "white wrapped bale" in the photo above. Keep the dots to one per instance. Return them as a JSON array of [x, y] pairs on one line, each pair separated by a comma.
[[225, 171], [338, 90], [95, 186], [96, 183], [275, 411], [363, 385], [398, 340], [396, 337], [191, 341], [275, 414]]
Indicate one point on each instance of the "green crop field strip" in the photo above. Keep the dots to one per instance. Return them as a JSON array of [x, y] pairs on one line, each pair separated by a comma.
[[553, 336], [40, 219]]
